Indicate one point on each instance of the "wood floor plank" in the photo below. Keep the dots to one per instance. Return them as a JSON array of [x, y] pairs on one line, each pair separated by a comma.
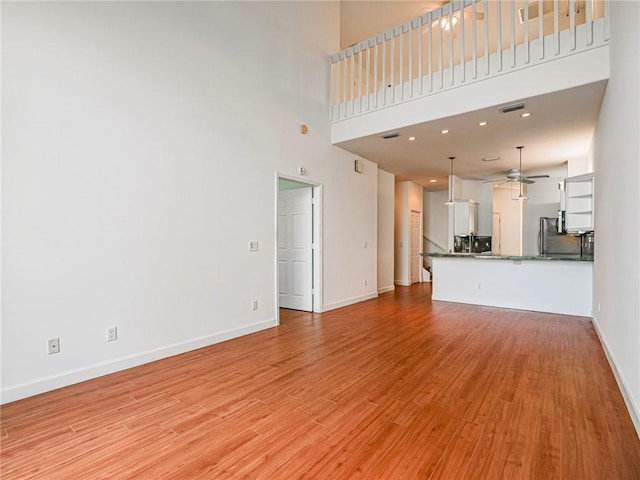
[[455, 461], [395, 387], [190, 454]]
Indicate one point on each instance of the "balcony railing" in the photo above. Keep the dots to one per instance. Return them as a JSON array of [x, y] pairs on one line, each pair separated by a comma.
[[461, 42]]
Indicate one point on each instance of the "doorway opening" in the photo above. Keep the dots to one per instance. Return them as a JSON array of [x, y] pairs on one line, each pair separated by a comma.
[[298, 244]]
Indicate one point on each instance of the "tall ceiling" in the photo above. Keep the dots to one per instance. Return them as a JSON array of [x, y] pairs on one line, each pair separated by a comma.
[[559, 129]]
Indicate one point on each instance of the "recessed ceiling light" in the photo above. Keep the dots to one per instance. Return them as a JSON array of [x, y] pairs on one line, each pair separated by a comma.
[[433, 180], [525, 115], [411, 139], [482, 124], [445, 131]]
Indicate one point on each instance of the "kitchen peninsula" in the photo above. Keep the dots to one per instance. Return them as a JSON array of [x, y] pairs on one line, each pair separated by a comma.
[[544, 284]]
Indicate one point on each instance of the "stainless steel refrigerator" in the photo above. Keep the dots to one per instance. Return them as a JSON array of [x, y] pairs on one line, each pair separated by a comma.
[[552, 243]]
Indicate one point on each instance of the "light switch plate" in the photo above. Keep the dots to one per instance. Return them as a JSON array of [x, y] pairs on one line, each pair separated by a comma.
[[253, 246]]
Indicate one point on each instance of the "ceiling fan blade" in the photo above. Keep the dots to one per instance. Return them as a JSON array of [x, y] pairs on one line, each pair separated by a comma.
[[469, 15], [537, 176], [501, 182], [472, 178], [526, 180], [504, 180]]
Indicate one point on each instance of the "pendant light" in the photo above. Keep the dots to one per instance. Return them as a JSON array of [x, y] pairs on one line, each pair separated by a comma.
[[451, 182], [521, 197]]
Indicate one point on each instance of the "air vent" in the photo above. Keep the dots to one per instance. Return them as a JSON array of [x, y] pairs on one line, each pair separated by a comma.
[[511, 108], [387, 136], [490, 159]]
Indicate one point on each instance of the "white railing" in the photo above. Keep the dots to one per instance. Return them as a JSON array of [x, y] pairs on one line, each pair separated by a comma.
[[429, 246], [461, 42]]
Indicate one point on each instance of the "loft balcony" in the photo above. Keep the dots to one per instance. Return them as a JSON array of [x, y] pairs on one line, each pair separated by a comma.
[[464, 56]]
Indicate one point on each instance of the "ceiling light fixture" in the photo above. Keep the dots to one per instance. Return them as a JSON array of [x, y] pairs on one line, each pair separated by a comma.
[[446, 24], [445, 131], [411, 139], [482, 124], [450, 201], [521, 197], [433, 180], [525, 115]]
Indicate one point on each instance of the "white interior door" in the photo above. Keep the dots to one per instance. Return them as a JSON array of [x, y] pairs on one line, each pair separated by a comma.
[[511, 220], [415, 246], [295, 255]]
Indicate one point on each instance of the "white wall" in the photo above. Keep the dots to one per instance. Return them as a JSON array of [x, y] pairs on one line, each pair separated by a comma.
[[617, 168], [455, 193], [386, 187], [141, 143], [408, 197], [580, 166], [435, 222], [543, 201], [511, 219], [401, 234]]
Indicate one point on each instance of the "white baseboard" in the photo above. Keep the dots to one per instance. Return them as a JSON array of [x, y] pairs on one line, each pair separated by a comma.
[[78, 375], [389, 288], [349, 301], [632, 406], [402, 283]]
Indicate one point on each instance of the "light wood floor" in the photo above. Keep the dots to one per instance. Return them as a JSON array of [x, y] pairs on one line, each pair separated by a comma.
[[392, 388]]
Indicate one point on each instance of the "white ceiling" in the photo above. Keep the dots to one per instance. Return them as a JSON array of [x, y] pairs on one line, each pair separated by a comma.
[[560, 127]]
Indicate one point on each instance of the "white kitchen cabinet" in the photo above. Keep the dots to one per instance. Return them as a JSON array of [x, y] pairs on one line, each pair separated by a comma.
[[579, 203], [465, 217]]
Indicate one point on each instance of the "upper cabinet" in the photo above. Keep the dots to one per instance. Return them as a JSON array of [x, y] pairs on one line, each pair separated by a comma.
[[580, 200], [465, 218]]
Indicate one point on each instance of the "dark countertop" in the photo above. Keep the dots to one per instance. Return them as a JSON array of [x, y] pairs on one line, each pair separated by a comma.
[[544, 258]]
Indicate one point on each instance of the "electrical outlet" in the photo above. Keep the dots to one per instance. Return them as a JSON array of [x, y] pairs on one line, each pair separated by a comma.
[[253, 246], [112, 334], [54, 346], [254, 305]]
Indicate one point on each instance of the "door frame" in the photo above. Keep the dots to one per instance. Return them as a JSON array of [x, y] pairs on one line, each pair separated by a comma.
[[316, 239], [496, 240]]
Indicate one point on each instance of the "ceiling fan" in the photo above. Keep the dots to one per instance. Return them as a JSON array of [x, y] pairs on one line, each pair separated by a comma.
[[448, 20], [515, 174]]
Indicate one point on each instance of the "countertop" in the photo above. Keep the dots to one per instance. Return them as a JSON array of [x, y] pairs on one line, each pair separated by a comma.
[[544, 258]]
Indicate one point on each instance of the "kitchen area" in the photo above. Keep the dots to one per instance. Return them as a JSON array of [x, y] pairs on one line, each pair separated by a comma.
[[549, 268]]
